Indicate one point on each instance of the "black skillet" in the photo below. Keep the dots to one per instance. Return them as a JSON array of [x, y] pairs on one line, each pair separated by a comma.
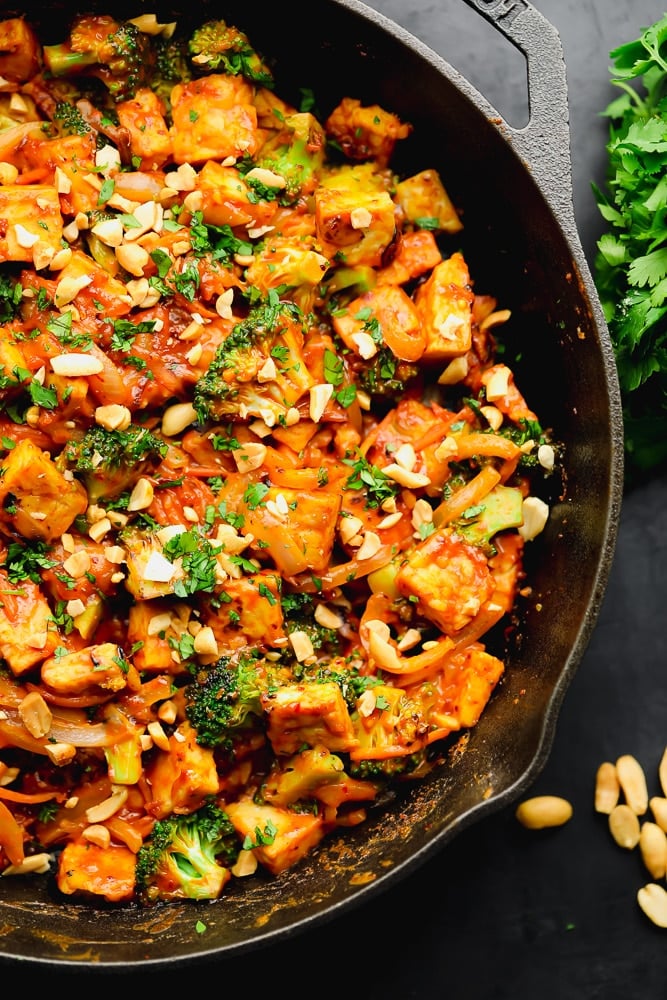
[[521, 244]]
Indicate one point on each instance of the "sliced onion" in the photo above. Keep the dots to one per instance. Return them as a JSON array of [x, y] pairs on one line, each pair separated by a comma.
[[98, 734], [78, 734]]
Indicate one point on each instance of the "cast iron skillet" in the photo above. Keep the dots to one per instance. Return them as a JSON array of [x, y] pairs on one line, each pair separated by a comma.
[[521, 244]]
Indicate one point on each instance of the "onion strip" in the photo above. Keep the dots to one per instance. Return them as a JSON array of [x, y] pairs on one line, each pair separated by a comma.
[[11, 836], [354, 569], [467, 496], [29, 798], [78, 734]]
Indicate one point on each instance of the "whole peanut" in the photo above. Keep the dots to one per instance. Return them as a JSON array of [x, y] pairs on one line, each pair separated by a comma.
[[652, 899], [632, 780], [658, 806], [607, 787], [543, 811], [624, 826], [653, 848]]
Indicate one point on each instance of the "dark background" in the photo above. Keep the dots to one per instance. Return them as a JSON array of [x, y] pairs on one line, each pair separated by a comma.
[[502, 912]]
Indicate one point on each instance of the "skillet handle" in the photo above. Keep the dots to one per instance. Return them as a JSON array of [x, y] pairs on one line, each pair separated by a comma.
[[544, 143]]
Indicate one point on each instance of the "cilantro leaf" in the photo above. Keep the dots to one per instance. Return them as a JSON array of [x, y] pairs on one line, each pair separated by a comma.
[[630, 267]]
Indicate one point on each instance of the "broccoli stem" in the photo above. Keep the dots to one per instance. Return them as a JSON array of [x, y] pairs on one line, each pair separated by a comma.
[[60, 60]]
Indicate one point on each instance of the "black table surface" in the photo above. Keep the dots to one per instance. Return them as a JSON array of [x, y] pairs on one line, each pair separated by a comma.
[[503, 912]]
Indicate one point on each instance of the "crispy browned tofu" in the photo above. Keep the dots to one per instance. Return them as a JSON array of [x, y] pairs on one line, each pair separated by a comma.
[[19, 50], [449, 578], [417, 253], [227, 200], [366, 132], [283, 837], [102, 871], [299, 529], [36, 500], [423, 197], [357, 226], [26, 637], [155, 627], [97, 666], [214, 118], [143, 117], [182, 778], [479, 675], [308, 714], [250, 613], [445, 303], [74, 157], [31, 218]]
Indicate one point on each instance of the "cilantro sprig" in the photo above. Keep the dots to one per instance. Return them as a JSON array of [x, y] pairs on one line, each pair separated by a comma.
[[631, 260], [377, 486]]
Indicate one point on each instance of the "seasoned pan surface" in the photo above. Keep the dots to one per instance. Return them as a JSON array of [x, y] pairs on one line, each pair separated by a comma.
[[520, 241]]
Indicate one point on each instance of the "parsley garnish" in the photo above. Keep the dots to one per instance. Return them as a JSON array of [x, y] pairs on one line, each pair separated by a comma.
[[377, 486], [631, 262], [124, 333], [254, 494], [24, 562], [197, 556]]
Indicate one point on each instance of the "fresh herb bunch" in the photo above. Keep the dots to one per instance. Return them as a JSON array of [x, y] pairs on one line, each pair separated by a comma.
[[631, 260]]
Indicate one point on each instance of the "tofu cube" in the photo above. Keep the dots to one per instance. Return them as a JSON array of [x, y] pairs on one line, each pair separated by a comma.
[[77, 672], [308, 714], [356, 226], [228, 201], [26, 637], [299, 528], [423, 196], [250, 614], [100, 871], [29, 215], [143, 117], [213, 118], [450, 579], [478, 677], [445, 303], [295, 833], [182, 778], [36, 500], [74, 157]]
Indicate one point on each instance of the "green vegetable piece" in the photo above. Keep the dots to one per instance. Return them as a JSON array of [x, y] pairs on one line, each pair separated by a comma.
[[502, 509], [187, 856]]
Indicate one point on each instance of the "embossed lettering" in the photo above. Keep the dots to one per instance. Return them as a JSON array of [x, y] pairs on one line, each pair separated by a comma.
[[501, 10]]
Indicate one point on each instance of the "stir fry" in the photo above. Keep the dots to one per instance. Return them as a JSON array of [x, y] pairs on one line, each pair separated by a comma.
[[265, 483]]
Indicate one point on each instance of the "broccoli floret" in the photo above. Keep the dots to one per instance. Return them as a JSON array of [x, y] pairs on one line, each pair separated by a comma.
[[172, 66], [386, 375], [299, 615], [115, 52], [11, 296], [186, 857], [69, 120], [102, 447], [352, 684], [271, 332], [111, 459], [297, 154], [171, 60], [215, 46], [387, 768], [221, 697], [217, 243]]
